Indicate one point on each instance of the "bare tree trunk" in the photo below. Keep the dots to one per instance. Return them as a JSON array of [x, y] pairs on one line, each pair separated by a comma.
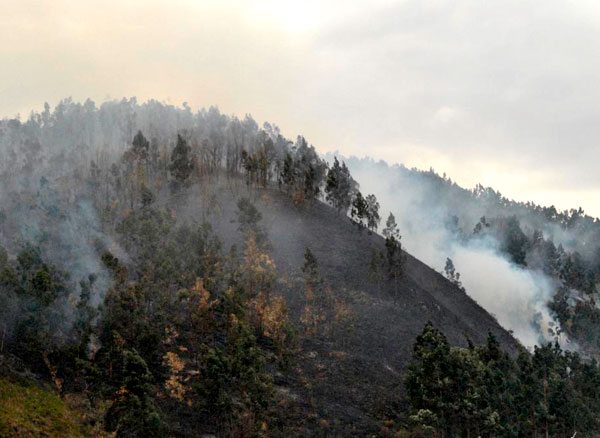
[[52, 369]]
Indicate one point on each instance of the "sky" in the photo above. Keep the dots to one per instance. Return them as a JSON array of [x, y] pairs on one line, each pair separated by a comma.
[[506, 94]]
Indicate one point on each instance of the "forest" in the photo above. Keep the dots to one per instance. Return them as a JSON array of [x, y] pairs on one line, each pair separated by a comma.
[[151, 277]]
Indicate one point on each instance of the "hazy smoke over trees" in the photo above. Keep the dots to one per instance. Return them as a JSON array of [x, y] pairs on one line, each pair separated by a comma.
[[63, 170], [64, 173], [436, 224]]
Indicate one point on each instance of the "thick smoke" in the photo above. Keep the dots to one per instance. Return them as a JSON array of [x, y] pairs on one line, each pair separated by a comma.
[[517, 297]]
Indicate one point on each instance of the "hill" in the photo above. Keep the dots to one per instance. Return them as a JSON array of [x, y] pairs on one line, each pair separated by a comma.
[[217, 278]]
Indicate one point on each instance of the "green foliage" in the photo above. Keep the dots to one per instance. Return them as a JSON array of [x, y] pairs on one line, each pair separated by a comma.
[[359, 210], [181, 309], [248, 215], [483, 391], [140, 146], [302, 170], [181, 166], [33, 295], [340, 186], [133, 413], [372, 212], [147, 196], [234, 381], [515, 241]]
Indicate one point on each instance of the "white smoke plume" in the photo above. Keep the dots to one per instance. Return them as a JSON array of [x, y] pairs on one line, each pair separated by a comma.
[[517, 297]]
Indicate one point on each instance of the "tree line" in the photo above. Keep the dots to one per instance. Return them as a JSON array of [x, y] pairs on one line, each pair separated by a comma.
[[483, 391]]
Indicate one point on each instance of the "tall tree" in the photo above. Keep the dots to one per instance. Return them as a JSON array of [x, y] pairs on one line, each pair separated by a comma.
[[359, 210], [451, 273], [394, 256], [372, 208], [181, 164], [339, 187], [133, 412]]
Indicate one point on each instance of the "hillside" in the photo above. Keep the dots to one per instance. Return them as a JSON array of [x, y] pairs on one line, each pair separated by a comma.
[[217, 278], [557, 253], [350, 372]]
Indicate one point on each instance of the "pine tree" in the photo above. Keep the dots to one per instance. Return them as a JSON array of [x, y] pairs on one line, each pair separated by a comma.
[[287, 177], [515, 241], [339, 187], [359, 209], [147, 196], [451, 273], [140, 146], [133, 412], [425, 380], [372, 212], [394, 256], [181, 164]]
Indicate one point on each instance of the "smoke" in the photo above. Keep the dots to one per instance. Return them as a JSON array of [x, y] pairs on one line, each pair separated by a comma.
[[47, 198], [517, 297]]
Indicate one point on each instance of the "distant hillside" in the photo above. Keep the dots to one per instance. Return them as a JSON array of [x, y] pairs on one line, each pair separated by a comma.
[[551, 259]]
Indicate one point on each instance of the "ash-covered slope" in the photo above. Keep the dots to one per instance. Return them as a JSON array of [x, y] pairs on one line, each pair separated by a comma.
[[351, 376]]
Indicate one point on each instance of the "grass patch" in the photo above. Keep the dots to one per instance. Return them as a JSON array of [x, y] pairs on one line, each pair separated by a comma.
[[31, 411]]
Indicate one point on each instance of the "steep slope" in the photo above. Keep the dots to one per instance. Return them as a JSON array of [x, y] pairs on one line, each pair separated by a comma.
[[348, 378]]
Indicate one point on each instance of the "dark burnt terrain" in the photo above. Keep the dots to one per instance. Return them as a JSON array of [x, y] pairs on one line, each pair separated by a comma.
[[347, 380]]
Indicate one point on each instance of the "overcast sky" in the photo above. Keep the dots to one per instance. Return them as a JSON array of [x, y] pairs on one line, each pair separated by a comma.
[[504, 93]]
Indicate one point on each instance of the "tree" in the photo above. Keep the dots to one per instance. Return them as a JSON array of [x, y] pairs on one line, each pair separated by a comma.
[[425, 380], [181, 166], [302, 171], [391, 228], [259, 270], [451, 273], [515, 241], [394, 257], [287, 176], [310, 268], [372, 211], [316, 304], [340, 186], [310, 168], [481, 226], [248, 219], [140, 146], [133, 413], [359, 209]]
